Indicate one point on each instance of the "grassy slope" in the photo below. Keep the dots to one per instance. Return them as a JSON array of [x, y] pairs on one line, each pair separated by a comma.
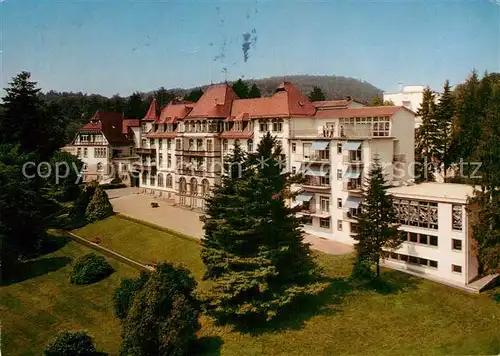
[[419, 317], [42, 302]]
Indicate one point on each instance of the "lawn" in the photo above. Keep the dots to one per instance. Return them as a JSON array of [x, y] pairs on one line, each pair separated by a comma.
[[415, 317], [40, 301]]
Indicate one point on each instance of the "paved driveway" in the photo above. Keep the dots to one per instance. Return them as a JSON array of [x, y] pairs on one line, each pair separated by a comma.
[[188, 222], [120, 192]]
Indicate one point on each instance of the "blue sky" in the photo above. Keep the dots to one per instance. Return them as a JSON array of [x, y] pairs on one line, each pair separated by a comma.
[[118, 46]]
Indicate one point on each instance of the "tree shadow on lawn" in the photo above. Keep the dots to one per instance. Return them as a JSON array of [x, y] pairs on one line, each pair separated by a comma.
[[391, 282], [207, 345], [293, 318], [34, 268]]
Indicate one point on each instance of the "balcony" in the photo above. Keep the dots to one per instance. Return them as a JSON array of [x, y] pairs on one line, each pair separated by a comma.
[[317, 157], [352, 186], [349, 215], [145, 151], [314, 212], [352, 160], [320, 183]]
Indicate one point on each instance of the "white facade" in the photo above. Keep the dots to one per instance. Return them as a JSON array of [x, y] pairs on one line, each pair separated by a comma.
[[438, 230]]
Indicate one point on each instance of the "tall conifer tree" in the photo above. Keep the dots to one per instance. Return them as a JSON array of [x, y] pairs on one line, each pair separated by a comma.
[[426, 140], [377, 230], [262, 263], [445, 112]]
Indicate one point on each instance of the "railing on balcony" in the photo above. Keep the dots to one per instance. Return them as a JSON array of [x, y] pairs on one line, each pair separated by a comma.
[[145, 151], [354, 160], [353, 185], [316, 182], [349, 215], [317, 156]]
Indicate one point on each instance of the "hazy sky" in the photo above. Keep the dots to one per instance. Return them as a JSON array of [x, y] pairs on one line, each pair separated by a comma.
[[119, 46]]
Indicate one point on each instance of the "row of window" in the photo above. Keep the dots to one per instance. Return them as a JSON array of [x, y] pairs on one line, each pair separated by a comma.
[[425, 262], [307, 149], [411, 259], [91, 138], [99, 152], [153, 178], [265, 125]]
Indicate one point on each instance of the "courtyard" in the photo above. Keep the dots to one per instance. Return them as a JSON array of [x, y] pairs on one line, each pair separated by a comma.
[[126, 201]]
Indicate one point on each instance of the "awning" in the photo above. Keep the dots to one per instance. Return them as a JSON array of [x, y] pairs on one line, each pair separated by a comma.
[[317, 171], [352, 174], [352, 202], [320, 145], [351, 145], [305, 196]]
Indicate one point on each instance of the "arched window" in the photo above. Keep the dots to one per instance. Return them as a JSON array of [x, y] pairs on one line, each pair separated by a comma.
[[160, 180], [144, 178], [198, 126], [191, 144], [193, 126], [152, 179], [250, 146], [204, 126], [169, 181], [199, 144], [224, 145], [205, 187], [99, 166], [182, 185], [193, 186]]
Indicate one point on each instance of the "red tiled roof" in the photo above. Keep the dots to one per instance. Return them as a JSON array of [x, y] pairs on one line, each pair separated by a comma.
[[111, 126], [129, 123], [331, 104], [236, 134], [287, 101], [361, 112], [152, 113], [173, 111], [214, 103]]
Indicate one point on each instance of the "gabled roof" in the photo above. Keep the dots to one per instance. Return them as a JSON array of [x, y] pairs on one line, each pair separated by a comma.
[[216, 102], [367, 111], [174, 111], [152, 113], [287, 101], [110, 124]]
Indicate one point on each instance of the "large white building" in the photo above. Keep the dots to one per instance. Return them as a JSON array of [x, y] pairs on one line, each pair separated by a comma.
[[179, 152]]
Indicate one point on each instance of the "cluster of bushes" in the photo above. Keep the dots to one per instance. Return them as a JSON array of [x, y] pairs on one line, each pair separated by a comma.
[[90, 269], [71, 343]]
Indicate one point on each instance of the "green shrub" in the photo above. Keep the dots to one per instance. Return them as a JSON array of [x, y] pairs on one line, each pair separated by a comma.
[[99, 207], [71, 343], [362, 272], [89, 269], [86, 193]]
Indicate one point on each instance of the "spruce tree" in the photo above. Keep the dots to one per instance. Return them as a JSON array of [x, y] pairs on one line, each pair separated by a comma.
[[263, 264], [426, 140], [317, 94], [99, 206], [220, 206], [240, 88], [254, 92], [445, 112], [135, 107], [377, 230], [486, 225]]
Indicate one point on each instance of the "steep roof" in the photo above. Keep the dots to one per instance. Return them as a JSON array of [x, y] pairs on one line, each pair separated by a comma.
[[174, 111], [130, 123], [361, 112], [287, 101], [216, 102], [152, 113], [328, 104], [110, 124]]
